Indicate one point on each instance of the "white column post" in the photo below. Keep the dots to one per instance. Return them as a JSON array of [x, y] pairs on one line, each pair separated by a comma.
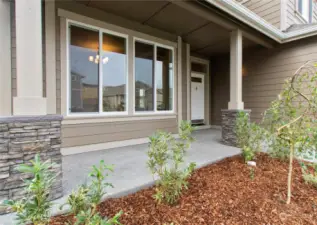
[[236, 71], [29, 100], [5, 58]]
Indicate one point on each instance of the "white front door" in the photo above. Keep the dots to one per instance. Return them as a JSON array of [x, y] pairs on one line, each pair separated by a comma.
[[197, 97]]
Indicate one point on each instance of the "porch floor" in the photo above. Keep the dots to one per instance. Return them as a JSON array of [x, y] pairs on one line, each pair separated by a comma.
[[130, 170]]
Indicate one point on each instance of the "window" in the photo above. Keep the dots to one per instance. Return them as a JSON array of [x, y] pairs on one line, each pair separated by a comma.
[[98, 73], [305, 8], [154, 77]]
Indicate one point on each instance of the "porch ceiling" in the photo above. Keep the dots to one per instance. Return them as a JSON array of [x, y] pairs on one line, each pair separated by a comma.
[[206, 38]]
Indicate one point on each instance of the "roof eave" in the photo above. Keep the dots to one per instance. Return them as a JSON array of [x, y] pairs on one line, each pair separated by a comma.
[[256, 22]]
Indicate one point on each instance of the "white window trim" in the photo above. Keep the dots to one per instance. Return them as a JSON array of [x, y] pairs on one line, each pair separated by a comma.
[[155, 111], [100, 32], [299, 14]]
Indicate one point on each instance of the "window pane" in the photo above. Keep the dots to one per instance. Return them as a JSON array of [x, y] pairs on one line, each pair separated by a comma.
[[84, 70], [164, 79], [113, 62], [144, 77]]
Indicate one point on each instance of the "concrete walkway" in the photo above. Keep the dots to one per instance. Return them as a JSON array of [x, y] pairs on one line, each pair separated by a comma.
[[130, 171]]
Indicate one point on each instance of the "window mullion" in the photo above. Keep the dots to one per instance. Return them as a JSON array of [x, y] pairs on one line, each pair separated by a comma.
[[100, 74], [154, 67]]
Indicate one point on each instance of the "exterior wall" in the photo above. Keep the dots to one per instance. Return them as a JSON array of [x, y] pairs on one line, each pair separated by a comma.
[[220, 86], [293, 16], [264, 72], [95, 133], [267, 9]]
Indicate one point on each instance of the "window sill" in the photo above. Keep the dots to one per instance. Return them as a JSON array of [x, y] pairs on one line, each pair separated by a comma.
[[84, 119]]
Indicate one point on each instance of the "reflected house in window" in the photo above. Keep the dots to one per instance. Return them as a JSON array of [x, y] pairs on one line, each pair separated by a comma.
[[114, 98], [77, 92], [83, 94], [143, 96]]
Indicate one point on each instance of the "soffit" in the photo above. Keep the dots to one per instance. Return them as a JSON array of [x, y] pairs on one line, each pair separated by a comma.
[[205, 37]]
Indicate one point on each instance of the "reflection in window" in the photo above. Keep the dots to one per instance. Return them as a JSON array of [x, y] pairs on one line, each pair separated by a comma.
[[113, 63], [84, 70], [164, 79], [144, 77]]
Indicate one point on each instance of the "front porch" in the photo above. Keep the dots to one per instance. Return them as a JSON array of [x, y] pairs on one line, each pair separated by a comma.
[[130, 170]]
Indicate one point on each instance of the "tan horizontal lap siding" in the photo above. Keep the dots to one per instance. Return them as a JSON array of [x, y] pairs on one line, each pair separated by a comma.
[[266, 71], [269, 10], [292, 14], [95, 133]]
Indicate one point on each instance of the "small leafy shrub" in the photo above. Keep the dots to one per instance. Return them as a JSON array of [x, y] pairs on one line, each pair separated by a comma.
[[310, 173], [97, 188], [249, 136], [35, 207], [90, 217], [166, 154], [291, 119], [83, 202], [78, 200]]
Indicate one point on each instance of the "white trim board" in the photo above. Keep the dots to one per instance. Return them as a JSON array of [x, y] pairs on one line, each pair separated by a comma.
[[104, 146]]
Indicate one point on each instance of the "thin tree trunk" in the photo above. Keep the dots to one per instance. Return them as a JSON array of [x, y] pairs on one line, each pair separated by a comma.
[[290, 171]]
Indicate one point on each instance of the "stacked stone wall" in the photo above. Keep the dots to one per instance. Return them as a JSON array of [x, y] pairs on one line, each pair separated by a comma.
[[21, 138]]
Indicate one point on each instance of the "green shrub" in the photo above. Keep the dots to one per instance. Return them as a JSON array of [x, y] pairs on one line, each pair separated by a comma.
[[35, 207], [166, 154], [78, 200], [291, 118], [98, 175], [83, 202], [308, 176], [250, 136], [90, 217]]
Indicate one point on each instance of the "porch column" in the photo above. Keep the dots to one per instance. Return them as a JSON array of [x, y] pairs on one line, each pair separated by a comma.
[[236, 70], [236, 104], [5, 58], [29, 100]]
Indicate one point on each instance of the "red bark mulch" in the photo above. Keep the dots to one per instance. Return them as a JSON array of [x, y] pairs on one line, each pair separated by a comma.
[[224, 193]]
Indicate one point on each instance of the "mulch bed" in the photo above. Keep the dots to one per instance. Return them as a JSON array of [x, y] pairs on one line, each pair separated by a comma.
[[224, 193]]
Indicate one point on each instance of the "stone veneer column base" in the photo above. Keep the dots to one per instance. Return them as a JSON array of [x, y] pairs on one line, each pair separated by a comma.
[[21, 138], [229, 118]]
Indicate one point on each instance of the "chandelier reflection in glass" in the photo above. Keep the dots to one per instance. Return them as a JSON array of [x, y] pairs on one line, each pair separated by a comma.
[[97, 58]]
